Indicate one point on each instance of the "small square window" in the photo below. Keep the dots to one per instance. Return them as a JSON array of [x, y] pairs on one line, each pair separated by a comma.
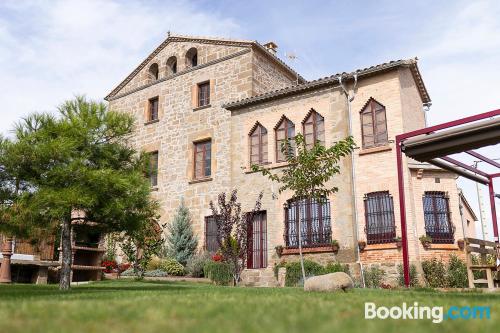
[[153, 109], [437, 180], [203, 94]]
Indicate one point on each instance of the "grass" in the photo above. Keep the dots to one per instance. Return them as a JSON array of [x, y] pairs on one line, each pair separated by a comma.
[[129, 306]]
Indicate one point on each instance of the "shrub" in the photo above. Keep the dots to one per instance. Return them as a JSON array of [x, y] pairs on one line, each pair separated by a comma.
[[196, 263], [128, 272], [181, 242], [373, 277], [294, 272], [154, 263], [172, 267], [220, 273], [413, 276], [156, 273], [434, 273], [335, 267], [457, 273]]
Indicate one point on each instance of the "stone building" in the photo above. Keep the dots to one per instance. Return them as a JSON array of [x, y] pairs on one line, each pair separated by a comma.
[[208, 108]]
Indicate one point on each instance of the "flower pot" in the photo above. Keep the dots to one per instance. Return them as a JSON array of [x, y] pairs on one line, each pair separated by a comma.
[[279, 251], [426, 244], [399, 244], [335, 248], [461, 244], [361, 246]]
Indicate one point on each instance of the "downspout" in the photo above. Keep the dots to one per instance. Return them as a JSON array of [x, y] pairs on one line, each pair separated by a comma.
[[460, 208], [349, 99]]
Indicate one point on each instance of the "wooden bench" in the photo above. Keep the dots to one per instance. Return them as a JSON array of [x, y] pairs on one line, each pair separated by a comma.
[[483, 248]]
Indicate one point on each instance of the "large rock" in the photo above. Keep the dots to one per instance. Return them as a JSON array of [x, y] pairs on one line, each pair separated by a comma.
[[329, 282]]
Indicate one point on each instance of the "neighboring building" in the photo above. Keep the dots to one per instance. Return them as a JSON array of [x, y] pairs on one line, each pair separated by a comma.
[[207, 108]]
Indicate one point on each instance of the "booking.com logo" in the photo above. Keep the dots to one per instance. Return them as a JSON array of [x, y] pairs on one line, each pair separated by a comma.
[[435, 313]]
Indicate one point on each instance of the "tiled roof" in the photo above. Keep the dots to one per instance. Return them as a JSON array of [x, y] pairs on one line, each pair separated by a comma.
[[333, 79], [206, 40]]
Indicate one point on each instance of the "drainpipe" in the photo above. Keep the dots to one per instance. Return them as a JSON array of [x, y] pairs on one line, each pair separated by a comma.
[[461, 209], [349, 99]]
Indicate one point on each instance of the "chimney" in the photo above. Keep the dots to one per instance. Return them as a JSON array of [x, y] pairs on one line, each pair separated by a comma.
[[271, 47]]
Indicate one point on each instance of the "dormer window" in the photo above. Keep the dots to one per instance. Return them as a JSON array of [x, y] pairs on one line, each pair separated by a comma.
[[154, 72], [192, 57], [172, 65]]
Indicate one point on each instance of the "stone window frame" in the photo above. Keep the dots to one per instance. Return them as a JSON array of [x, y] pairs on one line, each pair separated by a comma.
[[154, 71], [153, 115], [153, 178], [204, 160]]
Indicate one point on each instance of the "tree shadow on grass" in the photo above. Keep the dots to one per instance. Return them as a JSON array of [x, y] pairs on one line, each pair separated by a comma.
[[101, 290]]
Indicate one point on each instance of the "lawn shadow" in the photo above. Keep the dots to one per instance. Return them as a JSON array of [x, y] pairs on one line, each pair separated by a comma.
[[100, 290]]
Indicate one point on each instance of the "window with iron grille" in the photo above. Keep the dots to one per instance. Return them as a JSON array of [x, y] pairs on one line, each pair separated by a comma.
[[374, 124], [284, 130], [211, 243], [153, 168], [203, 94], [314, 129], [437, 217], [257, 241], [379, 217], [202, 159], [153, 109], [314, 215], [258, 145]]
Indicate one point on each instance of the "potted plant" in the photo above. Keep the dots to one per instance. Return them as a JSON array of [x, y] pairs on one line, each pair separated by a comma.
[[399, 242], [279, 250], [335, 245], [426, 241], [461, 244], [361, 245]]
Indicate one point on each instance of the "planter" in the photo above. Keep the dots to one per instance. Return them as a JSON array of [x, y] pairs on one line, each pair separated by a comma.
[[279, 251], [335, 248], [461, 244], [361, 245], [426, 244], [399, 244]]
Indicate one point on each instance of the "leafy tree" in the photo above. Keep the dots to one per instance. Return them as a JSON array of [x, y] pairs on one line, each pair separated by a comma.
[[232, 227], [75, 161], [308, 172], [181, 241], [140, 246]]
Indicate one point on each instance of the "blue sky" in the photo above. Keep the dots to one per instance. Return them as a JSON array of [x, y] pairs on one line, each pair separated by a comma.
[[50, 50]]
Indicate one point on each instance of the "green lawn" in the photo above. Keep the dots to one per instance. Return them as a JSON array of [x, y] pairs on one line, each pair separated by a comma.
[[127, 306]]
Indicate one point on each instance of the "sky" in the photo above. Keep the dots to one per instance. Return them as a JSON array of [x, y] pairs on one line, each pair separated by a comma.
[[52, 50]]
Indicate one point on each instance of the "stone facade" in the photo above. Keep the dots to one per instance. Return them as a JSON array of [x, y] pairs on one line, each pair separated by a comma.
[[243, 70]]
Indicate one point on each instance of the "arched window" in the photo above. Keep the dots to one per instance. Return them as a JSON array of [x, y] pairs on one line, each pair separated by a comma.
[[284, 130], [192, 57], [153, 71], [373, 124], [379, 215], [314, 215], [258, 145], [172, 65], [314, 129]]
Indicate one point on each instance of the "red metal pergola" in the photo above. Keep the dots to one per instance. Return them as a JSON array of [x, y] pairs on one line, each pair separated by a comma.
[[434, 145]]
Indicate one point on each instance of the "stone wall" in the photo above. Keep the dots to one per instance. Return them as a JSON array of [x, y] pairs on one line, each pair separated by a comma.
[[268, 76]]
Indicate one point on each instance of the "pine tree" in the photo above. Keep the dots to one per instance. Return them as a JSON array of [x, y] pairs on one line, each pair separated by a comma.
[[181, 241]]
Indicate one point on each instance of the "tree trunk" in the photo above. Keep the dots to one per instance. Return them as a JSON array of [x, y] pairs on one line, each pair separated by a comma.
[[67, 255], [300, 253]]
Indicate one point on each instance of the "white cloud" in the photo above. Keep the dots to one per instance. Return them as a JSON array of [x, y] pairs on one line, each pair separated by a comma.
[[74, 47], [459, 60]]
